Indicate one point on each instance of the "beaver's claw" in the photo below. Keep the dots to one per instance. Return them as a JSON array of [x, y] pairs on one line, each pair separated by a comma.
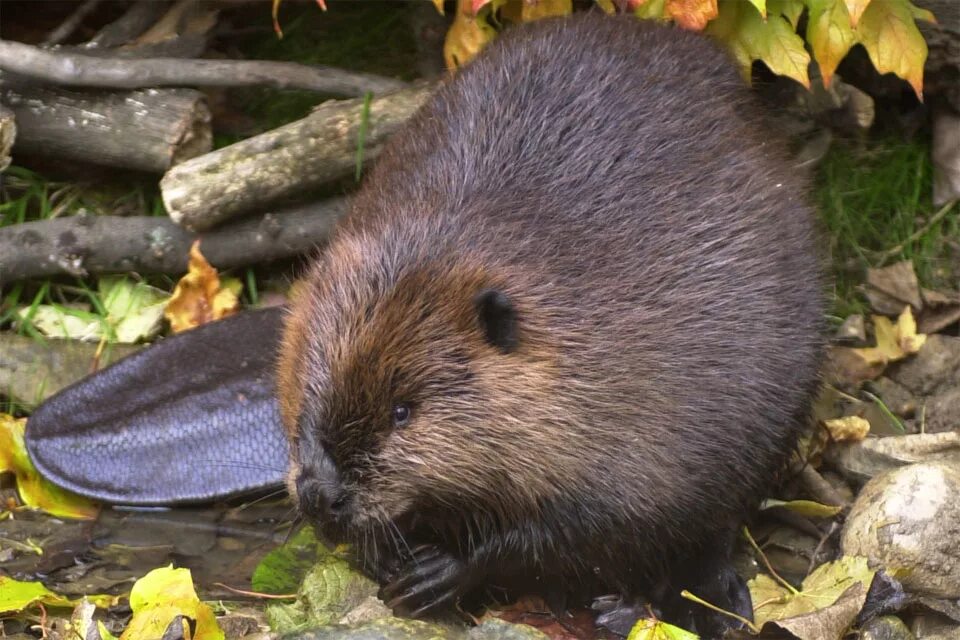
[[431, 579]]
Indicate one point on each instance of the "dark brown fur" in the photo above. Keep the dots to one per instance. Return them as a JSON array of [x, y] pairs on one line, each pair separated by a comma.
[[610, 179]]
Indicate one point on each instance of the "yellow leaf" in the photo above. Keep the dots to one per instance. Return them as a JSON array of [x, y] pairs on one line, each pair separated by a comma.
[[823, 587], [889, 34], [692, 14], [789, 9], [16, 596], [648, 9], [807, 508], [761, 6], [439, 5], [646, 629], [847, 428], [159, 597], [855, 9], [199, 297], [467, 36], [749, 37], [35, 491], [830, 35], [894, 341], [536, 9], [607, 6]]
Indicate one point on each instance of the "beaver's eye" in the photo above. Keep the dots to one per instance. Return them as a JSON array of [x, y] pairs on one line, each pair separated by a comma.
[[401, 414]]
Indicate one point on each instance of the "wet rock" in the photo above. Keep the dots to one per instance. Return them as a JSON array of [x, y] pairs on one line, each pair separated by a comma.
[[890, 289], [908, 521], [942, 411], [897, 397], [935, 627], [860, 461], [886, 628], [934, 368]]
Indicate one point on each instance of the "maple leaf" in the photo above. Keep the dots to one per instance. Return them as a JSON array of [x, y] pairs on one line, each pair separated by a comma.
[[831, 35], [691, 14], [894, 43], [199, 297]]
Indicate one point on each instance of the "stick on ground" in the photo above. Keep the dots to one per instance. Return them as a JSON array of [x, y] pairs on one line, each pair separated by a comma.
[[78, 70], [78, 245], [8, 133], [255, 173]]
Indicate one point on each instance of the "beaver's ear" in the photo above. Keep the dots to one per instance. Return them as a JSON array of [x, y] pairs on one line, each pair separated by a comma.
[[498, 319]]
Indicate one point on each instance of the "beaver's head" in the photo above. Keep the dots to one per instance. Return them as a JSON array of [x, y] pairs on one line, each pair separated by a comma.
[[417, 382]]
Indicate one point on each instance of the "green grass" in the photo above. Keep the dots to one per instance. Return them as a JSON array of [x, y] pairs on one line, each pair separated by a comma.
[[370, 36], [875, 198]]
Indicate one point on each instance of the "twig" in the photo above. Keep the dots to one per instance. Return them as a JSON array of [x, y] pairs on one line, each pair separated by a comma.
[[916, 235], [79, 70], [131, 24], [256, 594], [66, 29]]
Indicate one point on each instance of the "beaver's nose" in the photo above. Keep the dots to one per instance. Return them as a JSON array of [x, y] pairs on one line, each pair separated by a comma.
[[319, 489]]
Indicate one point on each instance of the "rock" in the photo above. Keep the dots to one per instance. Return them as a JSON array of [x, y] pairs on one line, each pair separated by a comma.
[[886, 628], [942, 412], [935, 367], [860, 461], [935, 627], [853, 331], [897, 397], [906, 521]]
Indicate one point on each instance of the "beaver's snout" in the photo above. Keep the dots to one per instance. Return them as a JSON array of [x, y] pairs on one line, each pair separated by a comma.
[[320, 491]]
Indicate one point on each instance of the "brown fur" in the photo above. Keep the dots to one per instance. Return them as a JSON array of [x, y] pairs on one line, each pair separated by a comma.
[[610, 178]]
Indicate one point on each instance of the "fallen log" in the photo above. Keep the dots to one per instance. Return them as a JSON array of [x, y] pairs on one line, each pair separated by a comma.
[[81, 245], [256, 173], [147, 130]]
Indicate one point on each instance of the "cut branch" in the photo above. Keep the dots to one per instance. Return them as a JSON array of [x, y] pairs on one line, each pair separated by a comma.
[[131, 24], [146, 130], [79, 70], [256, 173], [80, 245], [66, 29], [8, 133]]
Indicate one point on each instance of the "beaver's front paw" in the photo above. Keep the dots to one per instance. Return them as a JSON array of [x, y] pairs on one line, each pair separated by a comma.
[[431, 579]]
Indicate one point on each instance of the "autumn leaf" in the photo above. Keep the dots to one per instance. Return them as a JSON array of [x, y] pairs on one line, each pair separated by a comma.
[[159, 597], [692, 14], [35, 491], [536, 9], [789, 9], [439, 5], [200, 297], [647, 629], [607, 6], [467, 36], [889, 34], [830, 35], [743, 30], [894, 341], [761, 6], [17, 596], [855, 9], [847, 428], [807, 508], [648, 9], [834, 593]]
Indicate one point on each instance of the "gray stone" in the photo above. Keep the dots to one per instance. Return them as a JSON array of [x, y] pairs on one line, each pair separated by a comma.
[[935, 367]]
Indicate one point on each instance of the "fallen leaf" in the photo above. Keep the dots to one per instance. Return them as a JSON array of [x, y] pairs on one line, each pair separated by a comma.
[[57, 321], [17, 596], [894, 341], [835, 591], [657, 630], [847, 428], [789, 9], [807, 508], [889, 288], [648, 9], [158, 598], [134, 308], [35, 491], [199, 297]]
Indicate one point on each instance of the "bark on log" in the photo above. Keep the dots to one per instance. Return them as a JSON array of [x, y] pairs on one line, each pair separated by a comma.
[[8, 133], [73, 69], [148, 130], [255, 173], [79, 245]]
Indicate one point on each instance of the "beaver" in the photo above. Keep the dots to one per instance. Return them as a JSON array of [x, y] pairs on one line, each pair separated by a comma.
[[567, 333]]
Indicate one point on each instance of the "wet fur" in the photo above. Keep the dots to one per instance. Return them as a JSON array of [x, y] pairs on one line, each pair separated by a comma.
[[609, 177]]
